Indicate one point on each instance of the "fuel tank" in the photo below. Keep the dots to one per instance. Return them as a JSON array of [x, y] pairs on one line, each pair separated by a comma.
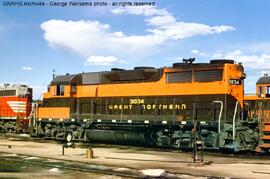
[[118, 136]]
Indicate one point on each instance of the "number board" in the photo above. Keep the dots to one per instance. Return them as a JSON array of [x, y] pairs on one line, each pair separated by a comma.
[[235, 82]]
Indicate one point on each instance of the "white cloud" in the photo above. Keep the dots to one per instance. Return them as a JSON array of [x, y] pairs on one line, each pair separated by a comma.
[[222, 28], [180, 30], [26, 68], [89, 38], [261, 47], [165, 24], [199, 53], [161, 20], [101, 60], [92, 38], [251, 61], [194, 51]]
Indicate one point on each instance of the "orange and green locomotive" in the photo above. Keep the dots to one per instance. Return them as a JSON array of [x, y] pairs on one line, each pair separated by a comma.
[[151, 106]]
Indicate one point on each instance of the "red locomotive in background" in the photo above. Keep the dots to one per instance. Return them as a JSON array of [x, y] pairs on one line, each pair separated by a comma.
[[15, 107]]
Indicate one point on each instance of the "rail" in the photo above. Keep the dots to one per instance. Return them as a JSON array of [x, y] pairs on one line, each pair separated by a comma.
[[66, 164]]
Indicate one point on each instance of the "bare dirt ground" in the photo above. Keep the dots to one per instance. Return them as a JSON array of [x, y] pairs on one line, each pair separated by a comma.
[[139, 158]]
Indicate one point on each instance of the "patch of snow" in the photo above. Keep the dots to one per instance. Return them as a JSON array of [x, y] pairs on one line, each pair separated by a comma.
[[31, 158], [24, 135], [154, 172], [121, 169], [55, 170]]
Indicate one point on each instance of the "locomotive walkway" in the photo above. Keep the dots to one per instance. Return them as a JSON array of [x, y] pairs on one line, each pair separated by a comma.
[[136, 159]]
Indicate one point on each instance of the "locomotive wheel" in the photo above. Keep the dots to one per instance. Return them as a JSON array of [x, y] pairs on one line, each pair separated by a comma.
[[69, 137]]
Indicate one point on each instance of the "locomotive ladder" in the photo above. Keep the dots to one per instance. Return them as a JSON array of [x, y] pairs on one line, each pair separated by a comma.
[[197, 153]]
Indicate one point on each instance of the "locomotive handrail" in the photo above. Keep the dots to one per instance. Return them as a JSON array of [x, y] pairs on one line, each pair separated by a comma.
[[220, 113], [234, 116]]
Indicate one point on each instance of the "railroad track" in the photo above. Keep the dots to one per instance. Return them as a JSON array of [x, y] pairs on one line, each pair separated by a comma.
[[85, 166], [81, 144], [68, 165]]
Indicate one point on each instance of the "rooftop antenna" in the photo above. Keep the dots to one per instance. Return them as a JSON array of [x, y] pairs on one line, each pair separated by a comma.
[[188, 60], [53, 76]]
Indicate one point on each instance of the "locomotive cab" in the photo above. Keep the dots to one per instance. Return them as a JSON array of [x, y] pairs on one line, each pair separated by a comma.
[[263, 87], [58, 101]]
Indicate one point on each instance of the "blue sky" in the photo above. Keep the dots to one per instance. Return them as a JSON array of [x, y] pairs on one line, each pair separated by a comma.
[[36, 40]]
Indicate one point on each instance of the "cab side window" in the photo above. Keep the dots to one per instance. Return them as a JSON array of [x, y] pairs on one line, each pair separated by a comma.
[[267, 91], [60, 90], [260, 91]]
